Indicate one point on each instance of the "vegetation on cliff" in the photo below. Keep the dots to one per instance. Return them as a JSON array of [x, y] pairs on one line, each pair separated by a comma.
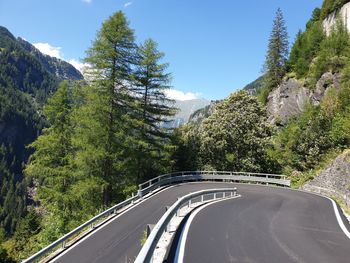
[[102, 138], [90, 144]]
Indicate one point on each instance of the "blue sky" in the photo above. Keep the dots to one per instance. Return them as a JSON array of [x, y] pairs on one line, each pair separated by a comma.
[[213, 46]]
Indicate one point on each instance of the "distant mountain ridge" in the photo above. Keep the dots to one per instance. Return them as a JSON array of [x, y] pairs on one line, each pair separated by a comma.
[[186, 109], [60, 68], [253, 87], [27, 79]]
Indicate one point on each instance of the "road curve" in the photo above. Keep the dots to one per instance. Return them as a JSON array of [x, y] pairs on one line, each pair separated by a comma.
[[119, 240], [267, 225]]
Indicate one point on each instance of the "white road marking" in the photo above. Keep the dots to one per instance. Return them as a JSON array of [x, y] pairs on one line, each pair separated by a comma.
[[106, 224], [336, 211], [180, 250]]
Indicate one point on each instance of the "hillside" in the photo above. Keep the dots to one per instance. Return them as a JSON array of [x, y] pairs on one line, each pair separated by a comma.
[[186, 109], [311, 104], [308, 109], [254, 87], [85, 146], [27, 79]]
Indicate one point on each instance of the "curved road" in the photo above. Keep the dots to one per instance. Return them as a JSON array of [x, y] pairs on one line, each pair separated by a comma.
[[119, 240], [267, 225]]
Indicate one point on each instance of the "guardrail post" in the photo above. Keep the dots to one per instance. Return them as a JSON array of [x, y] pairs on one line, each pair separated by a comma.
[[202, 198], [214, 196], [63, 244]]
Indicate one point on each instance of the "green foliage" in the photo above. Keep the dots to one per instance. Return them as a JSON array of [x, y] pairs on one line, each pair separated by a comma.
[[19, 247], [333, 54], [305, 141], [27, 79], [4, 257], [277, 53], [150, 81], [20, 123], [103, 128], [306, 47], [51, 162], [143, 238], [313, 53], [255, 86], [103, 137], [186, 139], [236, 137], [329, 6], [263, 94]]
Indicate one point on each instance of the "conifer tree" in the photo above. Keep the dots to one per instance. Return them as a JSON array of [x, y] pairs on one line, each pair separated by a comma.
[[51, 163], [277, 53], [151, 81], [105, 119]]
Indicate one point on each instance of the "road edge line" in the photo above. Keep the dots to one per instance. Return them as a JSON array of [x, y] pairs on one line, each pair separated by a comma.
[[63, 252], [339, 219], [180, 249], [335, 209]]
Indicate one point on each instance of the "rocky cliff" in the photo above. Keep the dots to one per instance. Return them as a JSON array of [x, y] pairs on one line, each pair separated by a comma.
[[343, 13], [198, 116], [334, 181], [185, 110], [290, 98], [60, 68]]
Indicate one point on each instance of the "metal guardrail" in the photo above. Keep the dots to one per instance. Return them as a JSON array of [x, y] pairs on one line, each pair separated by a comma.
[[89, 224], [159, 181], [146, 253], [150, 185]]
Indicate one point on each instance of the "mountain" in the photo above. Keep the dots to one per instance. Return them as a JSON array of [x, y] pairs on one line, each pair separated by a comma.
[[60, 68], [311, 105], [199, 115], [253, 87], [186, 109], [27, 79]]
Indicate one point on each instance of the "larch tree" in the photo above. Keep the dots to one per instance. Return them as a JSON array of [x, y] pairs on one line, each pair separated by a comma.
[[51, 163], [104, 119], [150, 83]]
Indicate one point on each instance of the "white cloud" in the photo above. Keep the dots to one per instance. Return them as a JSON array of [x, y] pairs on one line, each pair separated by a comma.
[[78, 65], [52, 51], [179, 95], [47, 49], [87, 1], [127, 4]]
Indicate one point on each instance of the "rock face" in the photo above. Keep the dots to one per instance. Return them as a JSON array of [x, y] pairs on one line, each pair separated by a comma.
[[185, 109], [323, 84], [60, 68], [334, 180], [287, 100], [344, 14], [290, 98], [198, 116]]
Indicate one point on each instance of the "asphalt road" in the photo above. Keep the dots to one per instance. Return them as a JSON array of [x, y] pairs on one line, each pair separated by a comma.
[[119, 240], [267, 225]]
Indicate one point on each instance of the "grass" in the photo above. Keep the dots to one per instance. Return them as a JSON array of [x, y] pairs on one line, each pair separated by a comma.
[[143, 238], [327, 159], [341, 203]]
